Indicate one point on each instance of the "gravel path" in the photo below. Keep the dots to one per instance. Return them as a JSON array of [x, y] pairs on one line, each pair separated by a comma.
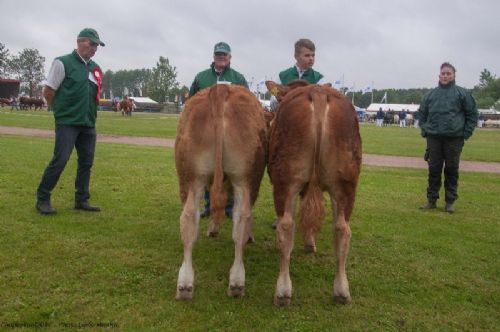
[[368, 159]]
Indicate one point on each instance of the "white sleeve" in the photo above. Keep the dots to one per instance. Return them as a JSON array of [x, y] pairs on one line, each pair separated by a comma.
[[56, 75]]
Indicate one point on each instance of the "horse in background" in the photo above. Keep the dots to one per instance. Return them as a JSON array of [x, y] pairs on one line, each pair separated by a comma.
[[125, 106]]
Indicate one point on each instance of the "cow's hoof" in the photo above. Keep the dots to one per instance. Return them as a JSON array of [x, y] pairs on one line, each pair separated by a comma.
[[212, 231], [282, 301], [251, 239], [309, 249], [342, 299], [184, 293], [212, 234], [236, 291]]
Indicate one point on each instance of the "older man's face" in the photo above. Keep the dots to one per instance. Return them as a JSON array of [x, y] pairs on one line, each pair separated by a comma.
[[221, 60], [86, 48]]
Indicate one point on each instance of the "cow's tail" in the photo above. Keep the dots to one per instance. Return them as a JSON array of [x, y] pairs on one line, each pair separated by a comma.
[[218, 195], [312, 207]]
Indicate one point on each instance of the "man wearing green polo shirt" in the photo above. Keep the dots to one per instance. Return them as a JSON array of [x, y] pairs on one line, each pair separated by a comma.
[[220, 71], [305, 53], [72, 90]]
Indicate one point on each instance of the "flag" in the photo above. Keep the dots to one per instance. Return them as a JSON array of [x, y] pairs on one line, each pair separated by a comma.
[[384, 98], [351, 89], [368, 89], [337, 84]]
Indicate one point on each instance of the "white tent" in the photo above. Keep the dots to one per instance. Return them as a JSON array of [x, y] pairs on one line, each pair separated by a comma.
[[373, 108], [146, 100]]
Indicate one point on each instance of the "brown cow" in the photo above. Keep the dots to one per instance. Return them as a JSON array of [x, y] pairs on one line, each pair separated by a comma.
[[222, 135], [28, 102], [4, 101], [314, 146]]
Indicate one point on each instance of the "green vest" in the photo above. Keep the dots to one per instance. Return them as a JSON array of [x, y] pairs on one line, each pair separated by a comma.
[[209, 77], [290, 74], [75, 100]]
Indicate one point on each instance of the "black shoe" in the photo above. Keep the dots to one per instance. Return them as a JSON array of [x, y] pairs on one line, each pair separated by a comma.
[[205, 213], [85, 206], [45, 208], [449, 208], [275, 224], [429, 205]]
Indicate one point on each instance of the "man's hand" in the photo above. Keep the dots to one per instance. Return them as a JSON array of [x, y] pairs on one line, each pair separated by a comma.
[[48, 94]]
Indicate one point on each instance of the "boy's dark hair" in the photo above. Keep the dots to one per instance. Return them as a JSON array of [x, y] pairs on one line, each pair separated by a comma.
[[307, 43], [449, 65]]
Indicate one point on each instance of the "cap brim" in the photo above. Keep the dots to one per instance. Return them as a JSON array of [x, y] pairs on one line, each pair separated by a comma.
[[97, 41]]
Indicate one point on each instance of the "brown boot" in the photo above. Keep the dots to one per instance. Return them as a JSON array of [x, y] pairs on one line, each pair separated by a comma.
[[429, 205]]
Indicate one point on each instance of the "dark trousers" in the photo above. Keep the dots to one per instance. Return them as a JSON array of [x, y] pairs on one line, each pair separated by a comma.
[[67, 137], [443, 151], [229, 205]]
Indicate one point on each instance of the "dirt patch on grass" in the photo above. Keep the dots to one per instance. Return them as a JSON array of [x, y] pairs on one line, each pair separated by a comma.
[[368, 159]]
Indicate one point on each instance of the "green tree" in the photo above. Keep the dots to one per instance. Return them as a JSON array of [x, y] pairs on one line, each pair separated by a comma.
[[4, 60], [163, 81], [107, 78], [487, 92], [28, 66]]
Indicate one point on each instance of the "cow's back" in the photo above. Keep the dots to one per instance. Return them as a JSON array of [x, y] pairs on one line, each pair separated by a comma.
[[242, 126], [314, 119]]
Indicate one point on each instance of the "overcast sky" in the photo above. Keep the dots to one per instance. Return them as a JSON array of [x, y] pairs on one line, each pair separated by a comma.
[[392, 43]]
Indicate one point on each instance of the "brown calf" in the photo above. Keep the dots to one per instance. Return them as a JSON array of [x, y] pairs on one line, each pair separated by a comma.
[[314, 147], [221, 135]]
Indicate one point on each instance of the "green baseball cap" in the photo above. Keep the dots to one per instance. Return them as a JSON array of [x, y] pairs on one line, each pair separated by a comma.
[[92, 35], [222, 47]]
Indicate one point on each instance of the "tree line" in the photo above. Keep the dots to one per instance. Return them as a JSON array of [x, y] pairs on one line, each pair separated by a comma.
[[160, 82], [486, 93]]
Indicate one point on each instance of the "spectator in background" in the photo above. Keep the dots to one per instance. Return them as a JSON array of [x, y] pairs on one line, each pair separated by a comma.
[[402, 118], [380, 117], [448, 116], [416, 118], [14, 103], [480, 121]]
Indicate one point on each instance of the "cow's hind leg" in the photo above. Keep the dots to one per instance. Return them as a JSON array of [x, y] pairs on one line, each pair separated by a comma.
[[242, 228], [189, 223], [343, 203], [285, 207]]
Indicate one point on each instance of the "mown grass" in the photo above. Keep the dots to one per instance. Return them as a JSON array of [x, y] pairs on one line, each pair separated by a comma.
[[484, 145], [408, 269]]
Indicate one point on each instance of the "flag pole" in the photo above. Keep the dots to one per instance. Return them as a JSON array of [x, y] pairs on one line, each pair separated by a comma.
[[372, 92]]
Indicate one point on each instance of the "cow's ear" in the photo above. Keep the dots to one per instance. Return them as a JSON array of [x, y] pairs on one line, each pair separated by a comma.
[[268, 116], [277, 90]]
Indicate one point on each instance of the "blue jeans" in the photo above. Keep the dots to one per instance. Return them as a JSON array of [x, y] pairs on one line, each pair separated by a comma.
[[67, 137]]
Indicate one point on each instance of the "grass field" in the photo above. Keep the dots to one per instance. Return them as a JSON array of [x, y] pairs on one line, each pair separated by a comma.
[[484, 145], [408, 269]]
